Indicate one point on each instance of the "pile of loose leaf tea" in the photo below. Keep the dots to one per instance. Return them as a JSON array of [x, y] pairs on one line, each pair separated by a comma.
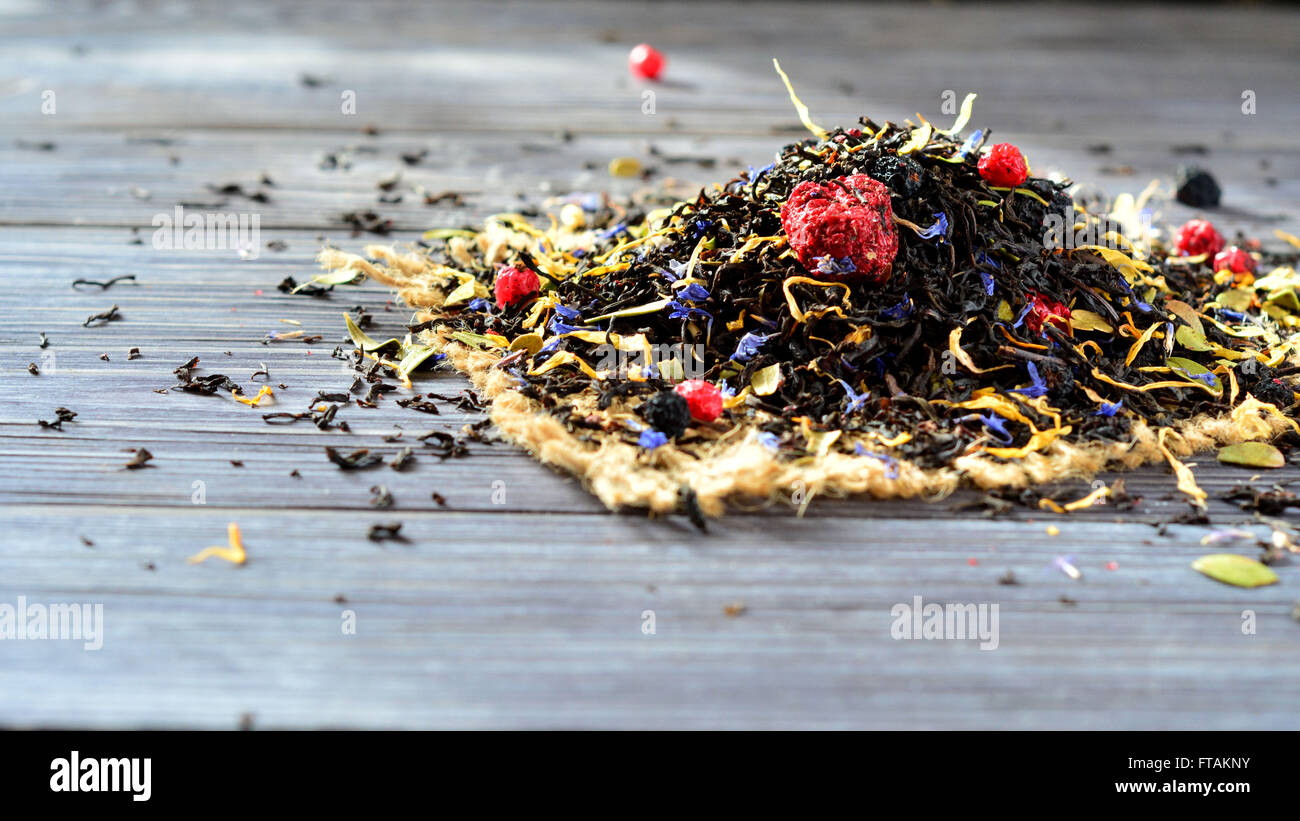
[[905, 303]]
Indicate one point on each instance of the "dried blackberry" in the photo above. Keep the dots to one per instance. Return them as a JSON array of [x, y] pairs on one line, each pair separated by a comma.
[[1272, 390], [667, 412], [903, 175], [1197, 187]]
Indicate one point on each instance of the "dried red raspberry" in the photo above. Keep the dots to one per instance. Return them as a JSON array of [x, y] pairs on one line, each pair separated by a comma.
[[1234, 259], [848, 222], [645, 61], [515, 284], [704, 399], [1198, 237], [1045, 309], [1004, 166]]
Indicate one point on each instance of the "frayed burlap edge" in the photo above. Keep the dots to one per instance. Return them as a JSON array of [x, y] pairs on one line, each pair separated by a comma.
[[733, 466]]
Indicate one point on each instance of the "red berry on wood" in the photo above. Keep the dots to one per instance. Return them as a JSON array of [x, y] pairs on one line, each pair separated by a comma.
[[646, 61]]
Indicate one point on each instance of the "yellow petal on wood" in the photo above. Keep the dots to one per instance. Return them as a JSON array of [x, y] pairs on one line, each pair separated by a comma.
[[1079, 504], [1186, 480], [233, 553], [256, 400]]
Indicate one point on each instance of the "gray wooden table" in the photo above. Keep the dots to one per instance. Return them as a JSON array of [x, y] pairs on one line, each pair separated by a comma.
[[530, 609]]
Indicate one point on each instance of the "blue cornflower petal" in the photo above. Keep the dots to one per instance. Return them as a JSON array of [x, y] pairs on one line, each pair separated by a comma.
[[996, 425], [694, 292], [830, 265], [676, 269], [651, 439], [971, 141], [900, 311], [988, 282], [478, 303], [1020, 320], [856, 400], [769, 440], [1110, 408], [1037, 386], [748, 346], [939, 229]]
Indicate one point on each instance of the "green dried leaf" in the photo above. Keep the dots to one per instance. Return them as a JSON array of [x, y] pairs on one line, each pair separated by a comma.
[[1236, 299], [1187, 368], [446, 233], [474, 340], [648, 308], [414, 356], [1186, 313], [343, 277], [463, 292], [1252, 455], [1192, 339], [1238, 571], [364, 342]]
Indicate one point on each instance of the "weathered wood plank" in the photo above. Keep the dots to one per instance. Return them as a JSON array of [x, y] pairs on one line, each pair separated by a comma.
[[459, 630], [530, 613], [108, 179], [449, 66]]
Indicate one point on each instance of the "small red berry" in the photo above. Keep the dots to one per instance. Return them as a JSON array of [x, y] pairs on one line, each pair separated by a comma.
[[1045, 309], [645, 61], [1004, 166], [1198, 237], [703, 398], [516, 284], [842, 229], [1234, 259]]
